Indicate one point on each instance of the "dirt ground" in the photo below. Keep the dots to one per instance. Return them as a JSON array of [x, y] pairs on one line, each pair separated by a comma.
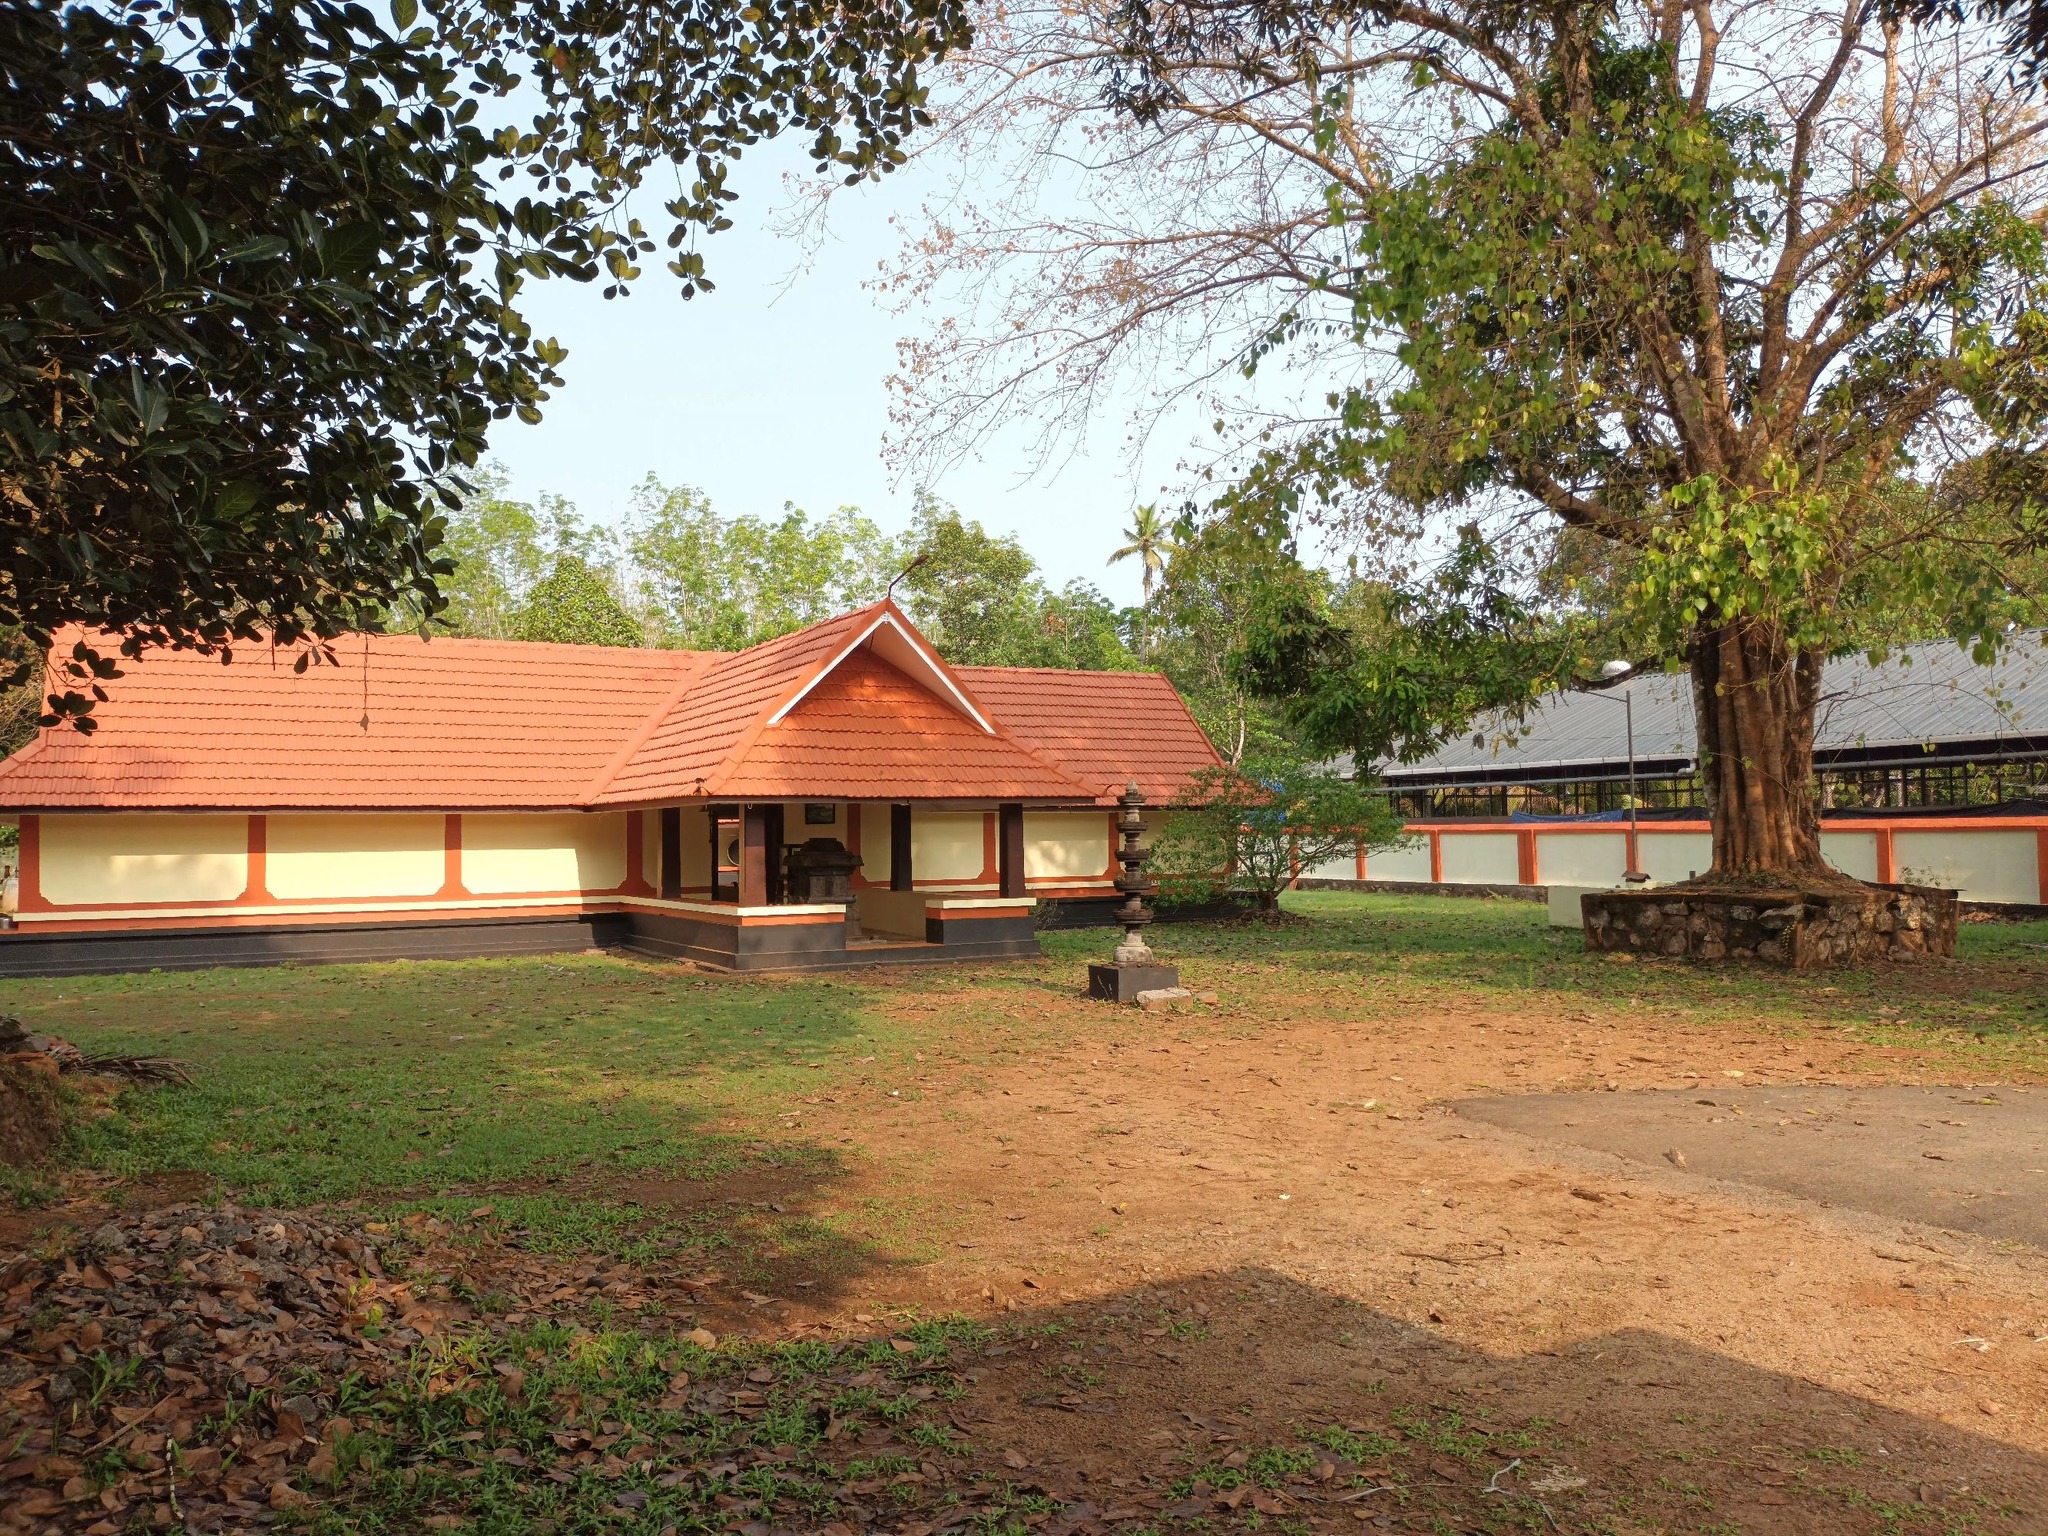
[[1333, 1241], [1967, 1157]]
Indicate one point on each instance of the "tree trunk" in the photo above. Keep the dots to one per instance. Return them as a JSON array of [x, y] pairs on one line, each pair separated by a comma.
[[1754, 698]]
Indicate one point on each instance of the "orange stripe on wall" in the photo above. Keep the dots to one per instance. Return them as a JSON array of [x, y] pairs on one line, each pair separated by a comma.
[[28, 894], [257, 892], [636, 855], [451, 859]]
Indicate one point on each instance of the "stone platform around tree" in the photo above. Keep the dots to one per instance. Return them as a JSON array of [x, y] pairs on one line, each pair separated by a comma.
[[1123, 983], [1799, 930]]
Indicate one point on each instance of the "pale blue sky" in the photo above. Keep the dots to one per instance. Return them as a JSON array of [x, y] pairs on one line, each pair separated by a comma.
[[761, 394]]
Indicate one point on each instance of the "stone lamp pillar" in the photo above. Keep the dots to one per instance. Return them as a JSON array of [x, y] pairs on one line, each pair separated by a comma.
[[1134, 968]]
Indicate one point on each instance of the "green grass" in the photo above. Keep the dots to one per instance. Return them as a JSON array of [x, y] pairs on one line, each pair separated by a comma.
[[536, 1079], [547, 1086], [1384, 952]]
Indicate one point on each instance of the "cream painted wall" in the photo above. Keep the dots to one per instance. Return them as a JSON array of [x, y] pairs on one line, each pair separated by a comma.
[[1668, 856], [1069, 845], [875, 862], [1580, 858], [115, 860], [348, 856], [696, 825], [1408, 862], [1853, 853], [650, 848], [1984, 866], [944, 845], [567, 851], [1343, 867], [891, 914], [1481, 858]]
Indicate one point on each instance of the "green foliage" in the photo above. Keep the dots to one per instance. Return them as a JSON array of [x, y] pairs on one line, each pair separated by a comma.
[[979, 598], [501, 549], [21, 705], [1223, 589], [1253, 828], [1381, 669], [710, 582], [686, 575], [1661, 310], [573, 606], [259, 286], [1150, 544]]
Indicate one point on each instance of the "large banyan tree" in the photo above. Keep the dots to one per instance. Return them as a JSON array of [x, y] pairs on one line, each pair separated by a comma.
[[1724, 325]]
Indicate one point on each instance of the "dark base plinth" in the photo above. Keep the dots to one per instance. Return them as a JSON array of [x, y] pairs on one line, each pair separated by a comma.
[[1800, 930], [1123, 983]]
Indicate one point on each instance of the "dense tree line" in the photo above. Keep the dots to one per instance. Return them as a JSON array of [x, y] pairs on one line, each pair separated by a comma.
[[678, 572]]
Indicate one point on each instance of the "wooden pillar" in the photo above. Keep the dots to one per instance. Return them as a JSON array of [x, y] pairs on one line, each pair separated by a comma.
[[713, 815], [753, 856], [772, 840], [670, 883], [1887, 871], [1436, 856], [1010, 848], [1525, 855], [899, 847]]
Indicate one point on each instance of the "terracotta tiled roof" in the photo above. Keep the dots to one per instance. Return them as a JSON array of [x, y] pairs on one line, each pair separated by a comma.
[[451, 724], [1103, 728], [868, 732], [698, 733], [858, 707]]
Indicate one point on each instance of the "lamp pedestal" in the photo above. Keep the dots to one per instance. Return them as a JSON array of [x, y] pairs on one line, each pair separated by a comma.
[[1133, 968]]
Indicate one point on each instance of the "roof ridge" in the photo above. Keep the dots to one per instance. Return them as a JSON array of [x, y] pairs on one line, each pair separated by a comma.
[[789, 694], [648, 727], [1067, 671]]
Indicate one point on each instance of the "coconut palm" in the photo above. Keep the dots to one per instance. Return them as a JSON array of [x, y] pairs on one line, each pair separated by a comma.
[[1149, 542]]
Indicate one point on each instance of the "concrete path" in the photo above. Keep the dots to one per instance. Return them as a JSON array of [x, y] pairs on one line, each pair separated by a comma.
[[1972, 1159]]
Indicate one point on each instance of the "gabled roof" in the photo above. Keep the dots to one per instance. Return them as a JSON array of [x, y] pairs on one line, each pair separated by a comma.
[[858, 707], [1104, 728], [401, 722]]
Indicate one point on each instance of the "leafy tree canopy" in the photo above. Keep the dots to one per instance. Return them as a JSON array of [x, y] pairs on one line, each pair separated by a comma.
[[687, 575], [261, 267], [1757, 296], [981, 600], [713, 582], [573, 606], [1254, 826]]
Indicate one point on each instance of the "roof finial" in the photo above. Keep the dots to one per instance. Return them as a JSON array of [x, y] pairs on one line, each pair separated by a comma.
[[889, 592]]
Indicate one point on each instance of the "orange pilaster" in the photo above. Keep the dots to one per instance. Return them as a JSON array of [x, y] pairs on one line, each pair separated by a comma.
[[257, 892], [451, 859], [28, 896]]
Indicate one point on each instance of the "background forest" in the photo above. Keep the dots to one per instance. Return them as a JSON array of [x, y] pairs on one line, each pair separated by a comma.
[[675, 571]]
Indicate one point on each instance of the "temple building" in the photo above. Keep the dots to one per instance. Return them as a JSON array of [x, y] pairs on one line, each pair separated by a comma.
[[838, 796]]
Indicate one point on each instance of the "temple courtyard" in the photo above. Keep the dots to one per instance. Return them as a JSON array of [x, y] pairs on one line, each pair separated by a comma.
[[1428, 1221]]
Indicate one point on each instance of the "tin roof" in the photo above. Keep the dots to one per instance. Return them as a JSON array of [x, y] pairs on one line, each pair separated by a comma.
[[1927, 699]]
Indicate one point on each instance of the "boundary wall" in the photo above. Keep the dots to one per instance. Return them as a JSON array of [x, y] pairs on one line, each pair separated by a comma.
[[1990, 860]]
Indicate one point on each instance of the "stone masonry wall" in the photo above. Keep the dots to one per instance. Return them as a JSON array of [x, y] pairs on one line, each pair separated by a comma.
[[1800, 930]]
